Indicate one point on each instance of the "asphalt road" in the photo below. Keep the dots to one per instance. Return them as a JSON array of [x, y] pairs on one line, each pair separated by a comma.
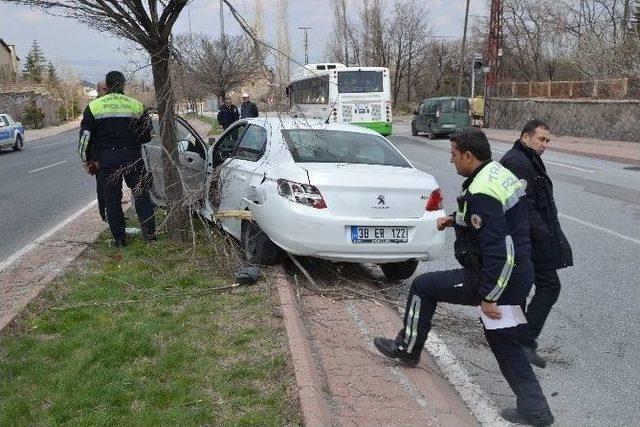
[[592, 338], [39, 187]]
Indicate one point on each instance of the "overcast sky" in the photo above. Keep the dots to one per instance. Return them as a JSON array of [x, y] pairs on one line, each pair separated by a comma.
[[92, 53]]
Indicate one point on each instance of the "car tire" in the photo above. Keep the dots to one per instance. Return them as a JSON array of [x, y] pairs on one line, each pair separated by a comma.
[[432, 134], [19, 144], [399, 270], [257, 247], [414, 132]]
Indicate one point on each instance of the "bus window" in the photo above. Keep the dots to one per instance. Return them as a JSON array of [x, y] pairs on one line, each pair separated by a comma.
[[359, 81]]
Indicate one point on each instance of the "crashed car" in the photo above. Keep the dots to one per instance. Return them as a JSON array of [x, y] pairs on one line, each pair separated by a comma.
[[332, 191]]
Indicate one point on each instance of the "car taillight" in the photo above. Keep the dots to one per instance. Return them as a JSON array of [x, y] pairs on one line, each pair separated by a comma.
[[304, 194], [434, 203]]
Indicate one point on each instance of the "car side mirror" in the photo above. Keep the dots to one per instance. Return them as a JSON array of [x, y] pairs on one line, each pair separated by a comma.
[[183, 146], [212, 140], [415, 112]]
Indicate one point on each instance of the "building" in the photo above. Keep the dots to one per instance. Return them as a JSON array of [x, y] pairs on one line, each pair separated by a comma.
[[9, 63]]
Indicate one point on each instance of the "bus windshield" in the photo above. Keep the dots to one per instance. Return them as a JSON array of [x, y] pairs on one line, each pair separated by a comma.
[[359, 81]]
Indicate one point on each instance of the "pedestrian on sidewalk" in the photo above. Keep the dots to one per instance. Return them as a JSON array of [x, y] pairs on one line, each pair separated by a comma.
[[228, 114], [248, 108], [549, 247], [116, 126], [492, 245]]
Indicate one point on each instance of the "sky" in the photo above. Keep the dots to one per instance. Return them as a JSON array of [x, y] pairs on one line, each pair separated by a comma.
[[90, 53]]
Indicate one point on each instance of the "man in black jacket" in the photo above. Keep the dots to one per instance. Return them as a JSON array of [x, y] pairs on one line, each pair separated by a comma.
[[550, 249], [248, 108], [228, 114], [492, 245]]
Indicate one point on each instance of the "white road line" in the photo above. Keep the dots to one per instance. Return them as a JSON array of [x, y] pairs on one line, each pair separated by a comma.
[[17, 255], [47, 167], [604, 230], [554, 163]]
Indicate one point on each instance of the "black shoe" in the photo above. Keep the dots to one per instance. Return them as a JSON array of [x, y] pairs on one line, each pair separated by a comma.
[[390, 349], [516, 417], [534, 358], [118, 243], [150, 238]]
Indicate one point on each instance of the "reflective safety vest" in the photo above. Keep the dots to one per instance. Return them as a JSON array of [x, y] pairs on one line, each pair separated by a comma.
[[110, 122], [492, 226]]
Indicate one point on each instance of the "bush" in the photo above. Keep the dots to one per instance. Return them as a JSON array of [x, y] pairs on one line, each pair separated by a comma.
[[33, 117]]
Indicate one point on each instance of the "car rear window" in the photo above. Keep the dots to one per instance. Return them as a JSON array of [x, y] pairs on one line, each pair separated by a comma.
[[448, 106], [333, 146]]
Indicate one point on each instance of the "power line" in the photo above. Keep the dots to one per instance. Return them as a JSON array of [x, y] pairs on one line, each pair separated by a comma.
[[306, 43]]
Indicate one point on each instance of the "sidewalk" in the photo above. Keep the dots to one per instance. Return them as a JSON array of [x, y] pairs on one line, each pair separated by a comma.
[[343, 380], [617, 151], [35, 134]]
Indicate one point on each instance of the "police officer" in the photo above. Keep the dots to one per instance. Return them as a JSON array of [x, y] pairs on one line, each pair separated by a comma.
[[492, 245], [228, 114], [116, 127], [549, 247]]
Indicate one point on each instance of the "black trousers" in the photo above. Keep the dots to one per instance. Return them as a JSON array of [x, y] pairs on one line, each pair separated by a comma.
[[102, 208], [457, 287], [547, 290], [114, 166]]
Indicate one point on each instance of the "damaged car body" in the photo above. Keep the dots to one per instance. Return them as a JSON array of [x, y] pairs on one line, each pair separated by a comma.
[[331, 191]]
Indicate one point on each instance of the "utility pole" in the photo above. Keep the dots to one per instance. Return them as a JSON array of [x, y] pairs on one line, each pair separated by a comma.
[[494, 52], [222, 22], [462, 50], [306, 43], [189, 15]]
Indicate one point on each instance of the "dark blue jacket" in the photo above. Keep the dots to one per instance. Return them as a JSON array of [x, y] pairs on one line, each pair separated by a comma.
[[248, 109], [550, 249], [227, 115], [492, 234]]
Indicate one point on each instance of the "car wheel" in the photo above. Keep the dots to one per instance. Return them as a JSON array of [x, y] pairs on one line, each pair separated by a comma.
[[257, 247], [414, 132], [399, 270], [432, 134], [17, 146]]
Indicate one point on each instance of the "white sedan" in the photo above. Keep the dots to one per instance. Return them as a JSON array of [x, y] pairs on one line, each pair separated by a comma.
[[332, 191]]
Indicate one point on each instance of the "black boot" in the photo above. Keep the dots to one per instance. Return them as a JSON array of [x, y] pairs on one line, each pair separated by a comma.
[[390, 349], [516, 417], [534, 358]]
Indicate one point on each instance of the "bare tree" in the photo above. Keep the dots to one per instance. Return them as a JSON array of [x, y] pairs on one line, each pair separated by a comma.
[[218, 66], [149, 24]]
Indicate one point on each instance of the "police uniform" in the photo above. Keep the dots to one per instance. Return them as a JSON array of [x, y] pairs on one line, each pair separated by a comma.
[[492, 245], [112, 130]]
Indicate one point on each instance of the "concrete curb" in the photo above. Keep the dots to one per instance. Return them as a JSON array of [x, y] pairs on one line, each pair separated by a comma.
[[315, 411]]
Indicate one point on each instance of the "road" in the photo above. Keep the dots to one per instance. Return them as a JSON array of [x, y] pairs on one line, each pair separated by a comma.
[[40, 187], [592, 338]]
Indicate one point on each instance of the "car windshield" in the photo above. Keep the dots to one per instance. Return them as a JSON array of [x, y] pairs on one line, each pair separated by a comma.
[[359, 81], [333, 146]]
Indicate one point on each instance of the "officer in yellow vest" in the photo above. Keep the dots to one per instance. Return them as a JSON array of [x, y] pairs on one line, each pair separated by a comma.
[[492, 245], [112, 130]]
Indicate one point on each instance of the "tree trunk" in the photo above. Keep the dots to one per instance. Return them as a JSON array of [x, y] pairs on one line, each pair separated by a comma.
[[176, 221]]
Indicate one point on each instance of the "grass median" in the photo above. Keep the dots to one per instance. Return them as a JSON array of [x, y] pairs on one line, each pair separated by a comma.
[[141, 336]]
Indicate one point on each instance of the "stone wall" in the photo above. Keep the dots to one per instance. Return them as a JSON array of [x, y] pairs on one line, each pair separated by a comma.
[[15, 102], [605, 119]]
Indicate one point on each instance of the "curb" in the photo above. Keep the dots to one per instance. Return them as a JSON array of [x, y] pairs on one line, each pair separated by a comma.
[[315, 411]]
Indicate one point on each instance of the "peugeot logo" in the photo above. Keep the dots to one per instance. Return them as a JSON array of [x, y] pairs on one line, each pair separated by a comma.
[[381, 200]]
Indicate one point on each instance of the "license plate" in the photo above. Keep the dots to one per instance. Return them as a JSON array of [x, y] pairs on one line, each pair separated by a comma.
[[369, 234], [448, 125]]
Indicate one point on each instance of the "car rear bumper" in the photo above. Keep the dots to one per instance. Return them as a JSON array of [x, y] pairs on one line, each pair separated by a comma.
[[306, 231]]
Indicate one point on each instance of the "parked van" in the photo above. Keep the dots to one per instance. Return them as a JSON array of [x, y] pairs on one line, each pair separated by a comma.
[[441, 116]]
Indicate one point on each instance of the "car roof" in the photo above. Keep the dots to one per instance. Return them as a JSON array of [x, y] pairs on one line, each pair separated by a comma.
[[287, 122], [442, 98]]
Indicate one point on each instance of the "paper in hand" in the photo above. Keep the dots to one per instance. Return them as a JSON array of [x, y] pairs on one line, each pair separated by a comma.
[[510, 316]]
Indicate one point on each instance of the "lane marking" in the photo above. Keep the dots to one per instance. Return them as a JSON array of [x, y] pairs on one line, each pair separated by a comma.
[[17, 255], [47, 167], [604, 230], [555, 163]]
